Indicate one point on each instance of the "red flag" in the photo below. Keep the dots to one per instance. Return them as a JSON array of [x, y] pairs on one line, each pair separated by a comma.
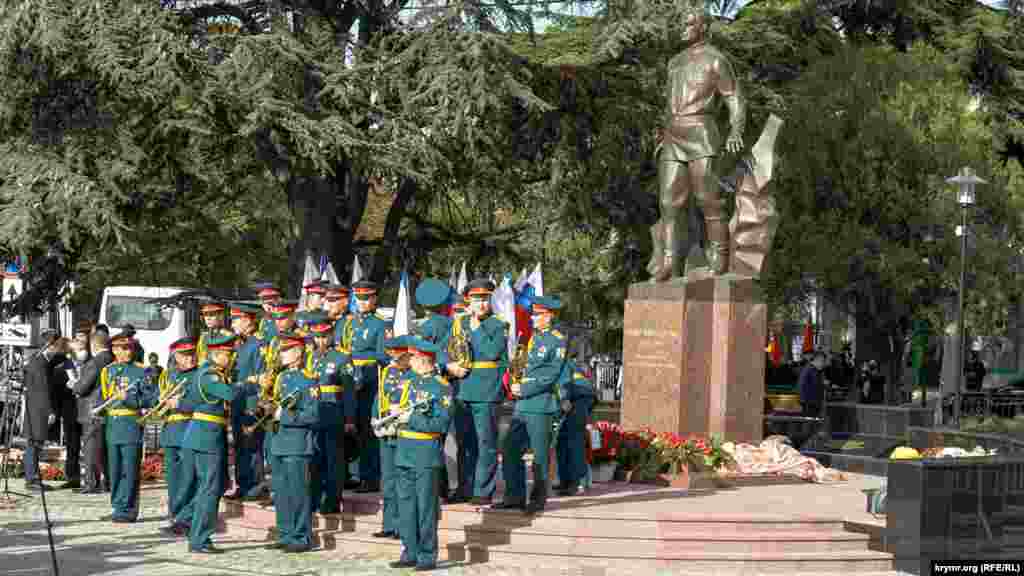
[[808, 338]]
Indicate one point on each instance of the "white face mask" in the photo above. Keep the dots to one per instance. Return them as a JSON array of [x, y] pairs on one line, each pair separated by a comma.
[[81, 355]]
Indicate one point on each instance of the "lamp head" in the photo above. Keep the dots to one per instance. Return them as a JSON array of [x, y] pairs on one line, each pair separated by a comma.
[[967, 181]]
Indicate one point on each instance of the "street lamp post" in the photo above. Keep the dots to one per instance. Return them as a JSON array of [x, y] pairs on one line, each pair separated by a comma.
[[966, 180]]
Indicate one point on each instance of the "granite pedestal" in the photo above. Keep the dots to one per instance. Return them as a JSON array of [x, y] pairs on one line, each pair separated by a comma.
[[694, 359]]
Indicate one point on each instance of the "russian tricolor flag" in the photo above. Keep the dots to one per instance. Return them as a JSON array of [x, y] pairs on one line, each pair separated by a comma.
[[527, 287]]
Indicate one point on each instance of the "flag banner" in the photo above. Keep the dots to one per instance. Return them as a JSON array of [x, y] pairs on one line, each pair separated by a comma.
[[403, 309], [357, 275], [463, 279], [311, 273]]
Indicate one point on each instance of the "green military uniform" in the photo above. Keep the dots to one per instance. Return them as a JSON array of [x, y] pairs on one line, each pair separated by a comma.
[[305, 317], [480, 393], [206, 440], [204, 338], [367, 345], [333, 374], [123, 433], [179, 490], [432, 294], [570, 450], [346, 452], [389, 394], [268, 294], [271, 353], [248, 448], [536, 406], [419, 458], [292, 453]]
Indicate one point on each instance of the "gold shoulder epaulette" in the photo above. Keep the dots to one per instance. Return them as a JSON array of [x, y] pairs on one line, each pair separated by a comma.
[[557, 334], [441, 379]]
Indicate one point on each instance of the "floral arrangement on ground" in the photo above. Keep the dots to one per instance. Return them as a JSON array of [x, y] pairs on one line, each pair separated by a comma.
[[646, 454], [15, 465], [152, 468]]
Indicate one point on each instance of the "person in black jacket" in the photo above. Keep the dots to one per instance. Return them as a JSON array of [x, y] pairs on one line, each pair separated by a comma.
[[39, 412], [87, 389]]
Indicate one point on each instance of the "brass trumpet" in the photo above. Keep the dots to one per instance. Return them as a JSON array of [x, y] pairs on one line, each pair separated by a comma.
[[388, 425], [160, 410], [116, 397], [268, 412]]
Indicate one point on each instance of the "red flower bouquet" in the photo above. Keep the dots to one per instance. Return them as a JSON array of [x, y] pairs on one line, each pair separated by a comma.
[[152, 468]]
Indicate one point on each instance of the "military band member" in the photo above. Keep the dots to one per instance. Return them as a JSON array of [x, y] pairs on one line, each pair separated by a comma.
[[125, 381], [419, 456], [458, 305], [388, 395], [269, 295], [283, 314], [336, 302], [314, 305], [206, 438], [292, 447], [333, 373], [480, 391], [570, 450], [537, 401], [366, 331], [248, 367], [213, 320], [433, 294], [179, 490]]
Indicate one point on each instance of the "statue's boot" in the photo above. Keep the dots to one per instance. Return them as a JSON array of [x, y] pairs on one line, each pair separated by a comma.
[[667, 268], [658, 251], [717, 249]]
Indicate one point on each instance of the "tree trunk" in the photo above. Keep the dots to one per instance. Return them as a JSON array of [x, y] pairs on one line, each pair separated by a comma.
[[392, 226], [326, 211]]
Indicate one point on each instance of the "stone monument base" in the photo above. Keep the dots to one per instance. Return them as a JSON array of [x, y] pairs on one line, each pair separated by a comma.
[[694, 357]]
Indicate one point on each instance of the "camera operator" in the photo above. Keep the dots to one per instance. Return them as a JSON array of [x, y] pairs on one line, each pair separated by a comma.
[[39, 410]]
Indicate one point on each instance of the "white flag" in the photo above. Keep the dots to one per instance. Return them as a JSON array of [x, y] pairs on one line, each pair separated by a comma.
[[357, 275], [403, 309], [521, 281], [503, 302], [311, 273], [329, 275], [463, 279], [536, 279]]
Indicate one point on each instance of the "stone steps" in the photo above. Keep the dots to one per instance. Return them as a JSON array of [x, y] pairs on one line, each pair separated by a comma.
[[696, 542]]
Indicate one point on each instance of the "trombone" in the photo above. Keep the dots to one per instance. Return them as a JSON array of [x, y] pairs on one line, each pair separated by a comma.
[[163, 406], [116, 397]]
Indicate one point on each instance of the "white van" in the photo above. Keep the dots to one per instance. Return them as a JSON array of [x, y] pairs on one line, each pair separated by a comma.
[[156, 327]]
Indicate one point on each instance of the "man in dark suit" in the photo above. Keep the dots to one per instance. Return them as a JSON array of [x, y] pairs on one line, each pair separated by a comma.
[[87, 389], [39, 412], [69, 373]]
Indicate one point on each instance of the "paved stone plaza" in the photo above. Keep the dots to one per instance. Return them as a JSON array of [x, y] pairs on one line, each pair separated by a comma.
[[86, 545]]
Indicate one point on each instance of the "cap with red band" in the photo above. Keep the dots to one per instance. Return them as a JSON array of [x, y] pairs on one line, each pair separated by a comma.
[[186, 344]]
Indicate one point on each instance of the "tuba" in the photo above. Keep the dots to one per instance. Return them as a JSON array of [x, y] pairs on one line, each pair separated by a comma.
[[459, 350]]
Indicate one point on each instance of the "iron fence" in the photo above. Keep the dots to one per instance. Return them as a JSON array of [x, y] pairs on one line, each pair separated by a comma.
[[989, 404]]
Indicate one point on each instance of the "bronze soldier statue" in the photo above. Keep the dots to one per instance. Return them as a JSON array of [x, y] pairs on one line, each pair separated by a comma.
[[697, 78]]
